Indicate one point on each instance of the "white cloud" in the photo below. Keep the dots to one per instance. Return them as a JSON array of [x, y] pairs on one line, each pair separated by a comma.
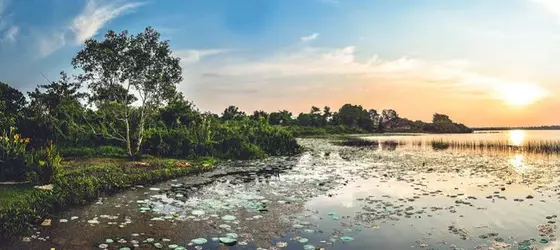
[[11, 34], [552, 6], [51, 43], [310, 37], [85, 25], [95, 14], [192, 56], [335, 71]]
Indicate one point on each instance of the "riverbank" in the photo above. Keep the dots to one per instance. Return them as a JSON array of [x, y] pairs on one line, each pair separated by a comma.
[[23, 206]]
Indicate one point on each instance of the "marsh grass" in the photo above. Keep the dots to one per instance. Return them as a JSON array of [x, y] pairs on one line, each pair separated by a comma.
[[361, 142], [538, 147]]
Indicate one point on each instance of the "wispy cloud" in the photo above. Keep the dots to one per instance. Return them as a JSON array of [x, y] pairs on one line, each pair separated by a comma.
[[8, 31], [552, 6], [11, 34], [310, 37], [192, 56], [334, 73], [95, 14], [51, 43]]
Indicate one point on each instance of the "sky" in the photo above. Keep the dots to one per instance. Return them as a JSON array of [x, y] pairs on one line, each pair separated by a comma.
[[482, 62]]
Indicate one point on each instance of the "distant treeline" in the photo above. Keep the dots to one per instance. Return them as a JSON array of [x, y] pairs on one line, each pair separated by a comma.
[[351, 119], [553, 127]]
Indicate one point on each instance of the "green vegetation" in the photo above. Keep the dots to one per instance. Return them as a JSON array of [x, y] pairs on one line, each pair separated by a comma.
[[539, 147], [22, 206], [354, 119], [132, 111]]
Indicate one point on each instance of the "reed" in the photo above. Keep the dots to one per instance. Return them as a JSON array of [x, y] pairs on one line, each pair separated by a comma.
[[541, 147]]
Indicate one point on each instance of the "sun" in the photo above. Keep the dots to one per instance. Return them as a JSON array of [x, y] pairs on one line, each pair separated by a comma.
[[520, 94]]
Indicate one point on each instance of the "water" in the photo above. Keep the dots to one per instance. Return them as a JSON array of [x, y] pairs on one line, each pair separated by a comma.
[[334, 197]]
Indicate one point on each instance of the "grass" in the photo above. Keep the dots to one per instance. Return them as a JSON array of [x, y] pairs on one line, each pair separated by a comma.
[[12, 193], [350, 141], [539, 147], [82, 181]]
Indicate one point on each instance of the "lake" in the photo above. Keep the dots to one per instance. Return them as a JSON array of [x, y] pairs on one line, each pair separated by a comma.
[[401, 194]]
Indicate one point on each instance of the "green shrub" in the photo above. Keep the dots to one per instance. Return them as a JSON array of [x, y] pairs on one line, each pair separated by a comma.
[[47, 164], [14, 158], [236, 139]]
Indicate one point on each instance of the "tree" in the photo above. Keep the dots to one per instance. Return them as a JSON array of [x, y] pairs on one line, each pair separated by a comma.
[[441, 118], [232, 113], [179, 112], [139, 66], [283, 117], [305, 119], [257, 115], [11, 104], [56, 107]]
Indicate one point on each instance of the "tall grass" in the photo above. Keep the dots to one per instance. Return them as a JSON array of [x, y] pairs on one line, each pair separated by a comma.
[[540, 147]]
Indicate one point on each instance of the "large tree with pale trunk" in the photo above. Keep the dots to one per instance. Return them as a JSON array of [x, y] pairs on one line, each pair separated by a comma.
[[132, 74]]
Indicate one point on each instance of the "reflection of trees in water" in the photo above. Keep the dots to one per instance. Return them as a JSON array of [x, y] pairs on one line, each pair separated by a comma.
[[389, 145]]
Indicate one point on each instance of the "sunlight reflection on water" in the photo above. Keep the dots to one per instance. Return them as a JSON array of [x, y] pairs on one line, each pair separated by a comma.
[[518, 163], [516, 137]]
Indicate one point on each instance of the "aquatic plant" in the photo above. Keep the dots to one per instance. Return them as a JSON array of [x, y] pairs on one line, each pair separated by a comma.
[[539, 147], [357, 142], [76, 186]]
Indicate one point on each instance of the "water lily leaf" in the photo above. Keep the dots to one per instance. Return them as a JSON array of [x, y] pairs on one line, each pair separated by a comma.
[[109, 241], [346, 238], [198, 212], [309, 247], [228, 240], [199, 241], [228, 217], [303, 240]]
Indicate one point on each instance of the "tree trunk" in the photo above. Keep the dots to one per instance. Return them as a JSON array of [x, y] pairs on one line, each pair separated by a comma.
[[141, 131], [128, 143]]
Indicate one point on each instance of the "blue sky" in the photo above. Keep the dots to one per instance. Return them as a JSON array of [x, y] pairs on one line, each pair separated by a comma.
[[418, 57]]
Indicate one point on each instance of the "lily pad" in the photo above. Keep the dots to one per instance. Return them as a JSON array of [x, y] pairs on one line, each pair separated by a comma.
[[173, 246], [198, 212], [150, 240], [228, 217], [303, 240], [103, 246], [228, 240], [309, 247], [199, 241], [109, 241], [346, 238], [158, 245]]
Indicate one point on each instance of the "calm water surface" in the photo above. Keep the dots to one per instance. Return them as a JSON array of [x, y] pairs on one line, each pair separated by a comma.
[[336, 197]]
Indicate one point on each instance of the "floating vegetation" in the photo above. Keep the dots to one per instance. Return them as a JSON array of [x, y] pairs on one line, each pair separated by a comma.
[[199, 241]]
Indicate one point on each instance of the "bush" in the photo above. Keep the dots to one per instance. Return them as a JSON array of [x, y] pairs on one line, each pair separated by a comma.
[[47, 164], [236, 139], [14, 158]]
